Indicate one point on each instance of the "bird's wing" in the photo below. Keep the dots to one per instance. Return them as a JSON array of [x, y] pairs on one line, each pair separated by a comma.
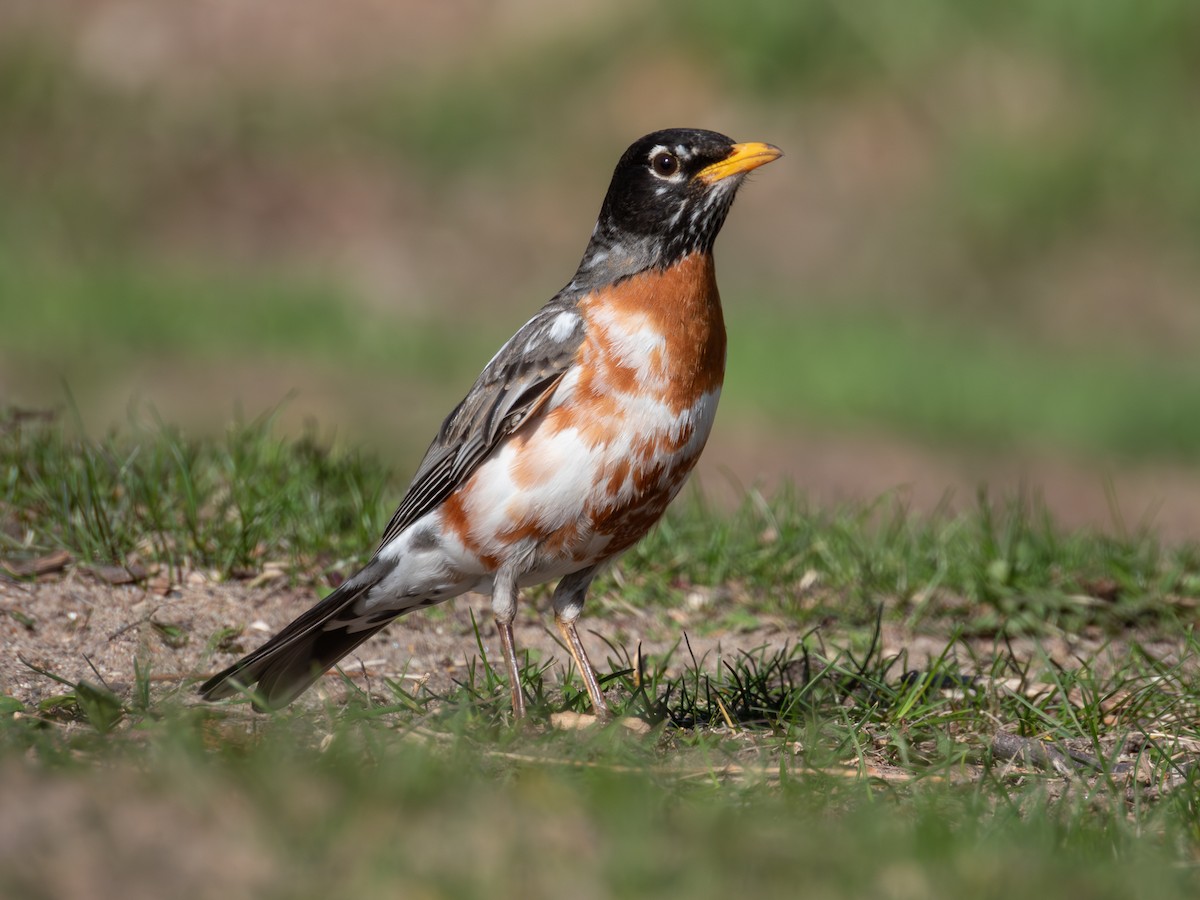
[[516, 383]]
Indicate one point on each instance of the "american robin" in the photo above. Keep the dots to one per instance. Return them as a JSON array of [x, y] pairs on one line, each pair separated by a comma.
[[571, 443]]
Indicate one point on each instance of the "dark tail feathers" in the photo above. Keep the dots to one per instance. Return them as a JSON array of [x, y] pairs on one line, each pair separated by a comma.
[[287, 665]]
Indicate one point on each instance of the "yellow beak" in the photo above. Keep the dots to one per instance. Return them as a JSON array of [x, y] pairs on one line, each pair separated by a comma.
[[742, 158]]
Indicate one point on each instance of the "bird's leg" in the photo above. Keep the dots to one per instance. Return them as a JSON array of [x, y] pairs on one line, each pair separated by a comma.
[[510, 663], [568, 604], [590, 681], [504, 608]]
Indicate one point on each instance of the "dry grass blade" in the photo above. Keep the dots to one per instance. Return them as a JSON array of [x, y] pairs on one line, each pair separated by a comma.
[[42, 565]]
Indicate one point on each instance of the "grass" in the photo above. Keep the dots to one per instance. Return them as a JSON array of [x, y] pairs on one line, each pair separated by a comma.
[[847, 775], [877, 371], [185, 502], [827, 370], [824, 763], [154, 495]]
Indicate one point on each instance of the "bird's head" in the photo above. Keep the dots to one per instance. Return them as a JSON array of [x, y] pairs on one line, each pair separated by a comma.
[[669, 196]]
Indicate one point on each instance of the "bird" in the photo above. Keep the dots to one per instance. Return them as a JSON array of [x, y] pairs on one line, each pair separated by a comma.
[[572, 441]]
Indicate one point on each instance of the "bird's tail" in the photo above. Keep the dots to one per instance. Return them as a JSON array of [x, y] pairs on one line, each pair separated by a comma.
[[287, 665]]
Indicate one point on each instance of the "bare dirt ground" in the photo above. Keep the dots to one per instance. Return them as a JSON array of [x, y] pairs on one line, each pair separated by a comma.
[[77, 626]]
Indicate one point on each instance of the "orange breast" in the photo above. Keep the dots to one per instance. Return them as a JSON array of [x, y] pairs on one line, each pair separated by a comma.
[[683, 306], [658, 387], [622, 432]]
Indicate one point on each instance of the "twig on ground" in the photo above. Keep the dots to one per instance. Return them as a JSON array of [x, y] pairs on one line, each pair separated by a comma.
[[1068, 763], [1034, 753]]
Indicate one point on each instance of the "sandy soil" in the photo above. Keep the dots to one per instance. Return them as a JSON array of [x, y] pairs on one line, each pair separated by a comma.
[[79, 622], [77, 626]]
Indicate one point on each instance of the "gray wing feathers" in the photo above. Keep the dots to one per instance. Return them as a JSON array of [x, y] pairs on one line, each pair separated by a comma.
[[512, 388]]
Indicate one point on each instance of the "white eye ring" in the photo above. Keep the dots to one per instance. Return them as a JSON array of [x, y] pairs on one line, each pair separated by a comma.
[[665, 164]]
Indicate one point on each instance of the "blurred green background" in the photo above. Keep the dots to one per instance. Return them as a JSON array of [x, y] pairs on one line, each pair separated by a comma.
[[978, 260]]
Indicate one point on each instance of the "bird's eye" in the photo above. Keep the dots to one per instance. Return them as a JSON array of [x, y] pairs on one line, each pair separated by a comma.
[[665, 164]]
